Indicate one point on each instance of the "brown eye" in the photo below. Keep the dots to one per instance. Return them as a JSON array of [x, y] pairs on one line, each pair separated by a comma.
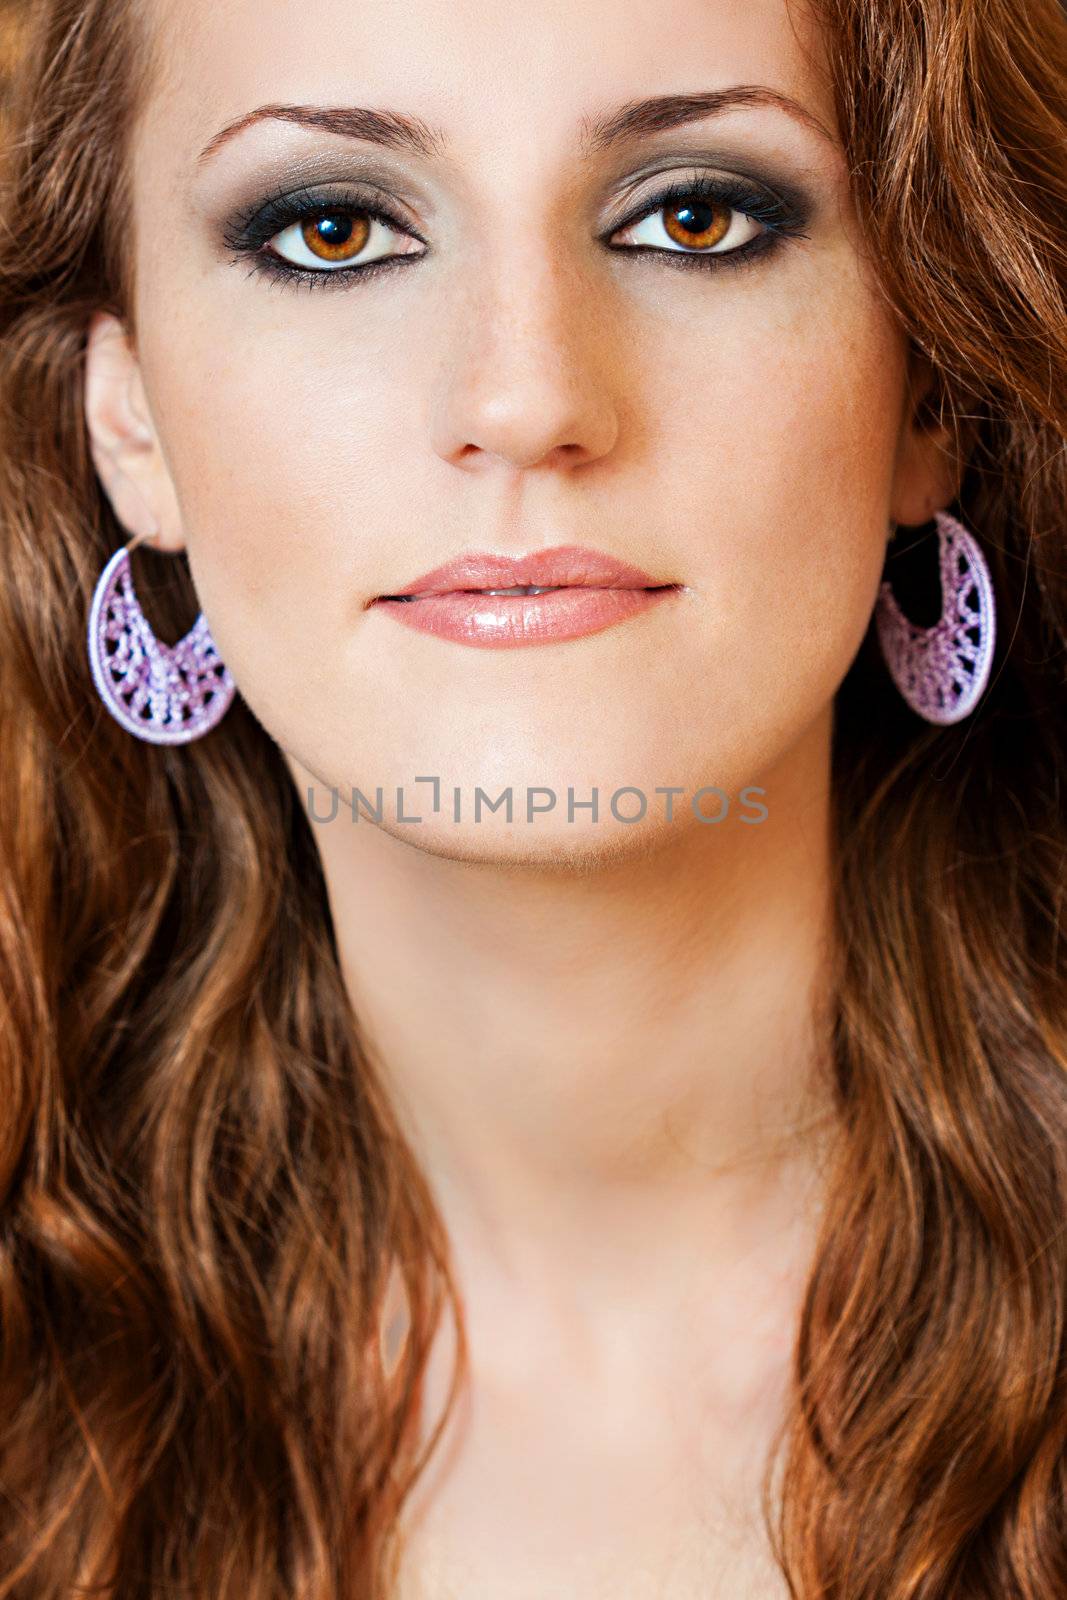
[[325, 238], [697, 223], [694, 224], [336, 235]]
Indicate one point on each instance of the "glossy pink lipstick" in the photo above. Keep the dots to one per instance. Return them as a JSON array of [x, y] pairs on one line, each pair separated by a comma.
[[579, 591]]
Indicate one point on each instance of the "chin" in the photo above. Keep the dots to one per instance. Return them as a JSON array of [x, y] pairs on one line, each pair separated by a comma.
[[545, 844]]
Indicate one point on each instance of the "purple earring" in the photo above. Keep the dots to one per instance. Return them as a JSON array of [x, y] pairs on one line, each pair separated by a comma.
[[167, 694], [941, 671]]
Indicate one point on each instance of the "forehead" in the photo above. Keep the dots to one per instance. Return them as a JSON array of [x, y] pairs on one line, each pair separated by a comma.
[[496, 70]]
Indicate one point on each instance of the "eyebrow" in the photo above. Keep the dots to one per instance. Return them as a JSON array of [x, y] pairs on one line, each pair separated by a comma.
[[413, 136]]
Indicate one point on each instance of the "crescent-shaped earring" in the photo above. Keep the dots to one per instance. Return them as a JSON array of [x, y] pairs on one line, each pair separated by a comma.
[[167, 694], [941, 671]]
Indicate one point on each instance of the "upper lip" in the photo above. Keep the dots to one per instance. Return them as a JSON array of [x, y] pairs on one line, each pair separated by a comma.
[[563, 566]]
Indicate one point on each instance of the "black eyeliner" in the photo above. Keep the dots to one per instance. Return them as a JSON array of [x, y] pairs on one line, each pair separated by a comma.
[[256, 224], [782, 211]]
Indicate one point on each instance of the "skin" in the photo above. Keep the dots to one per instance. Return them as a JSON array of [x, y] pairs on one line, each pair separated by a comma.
[[601, 1035]]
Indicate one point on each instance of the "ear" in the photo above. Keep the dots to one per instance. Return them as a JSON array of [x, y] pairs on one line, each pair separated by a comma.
[[932, 450], [122, 438]]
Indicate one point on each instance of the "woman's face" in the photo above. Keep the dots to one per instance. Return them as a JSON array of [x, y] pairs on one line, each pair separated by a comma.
[[725, 408]]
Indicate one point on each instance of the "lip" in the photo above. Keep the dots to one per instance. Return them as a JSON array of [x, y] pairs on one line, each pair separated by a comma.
[[565, 565], [589, 591]]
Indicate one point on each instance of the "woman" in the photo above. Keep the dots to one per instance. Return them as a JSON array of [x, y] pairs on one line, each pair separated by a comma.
[[661, 973]]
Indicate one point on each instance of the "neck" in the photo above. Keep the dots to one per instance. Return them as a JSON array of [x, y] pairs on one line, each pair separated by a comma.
[[608, 1065]]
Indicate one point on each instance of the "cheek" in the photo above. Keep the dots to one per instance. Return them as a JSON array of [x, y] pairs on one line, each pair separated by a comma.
[[777, 436], [291, 491]]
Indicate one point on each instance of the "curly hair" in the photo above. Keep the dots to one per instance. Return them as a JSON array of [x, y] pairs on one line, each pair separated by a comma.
[[204, 1193]]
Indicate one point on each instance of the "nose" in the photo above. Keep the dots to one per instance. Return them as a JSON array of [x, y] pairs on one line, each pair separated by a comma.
[[527, 375]]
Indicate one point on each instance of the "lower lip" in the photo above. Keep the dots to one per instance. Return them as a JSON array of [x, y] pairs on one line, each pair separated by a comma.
[[505, 621]]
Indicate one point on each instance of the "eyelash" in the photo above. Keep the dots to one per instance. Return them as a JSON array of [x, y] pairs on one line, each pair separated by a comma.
[[248, 233]]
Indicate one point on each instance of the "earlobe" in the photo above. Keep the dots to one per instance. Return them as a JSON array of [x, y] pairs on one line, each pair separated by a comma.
[[122, 440], [929, 463]]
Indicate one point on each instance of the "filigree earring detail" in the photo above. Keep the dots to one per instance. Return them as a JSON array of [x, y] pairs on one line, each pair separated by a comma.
[[167, 694], [941, 671]]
